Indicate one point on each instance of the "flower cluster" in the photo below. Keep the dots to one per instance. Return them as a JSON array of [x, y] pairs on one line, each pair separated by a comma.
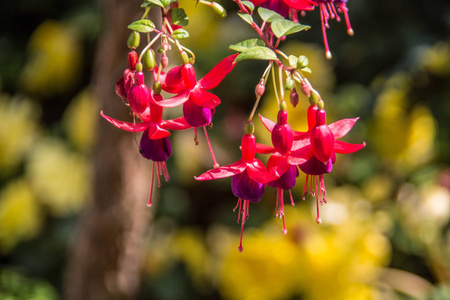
[[312, 152], [147, 104], [329, 9]]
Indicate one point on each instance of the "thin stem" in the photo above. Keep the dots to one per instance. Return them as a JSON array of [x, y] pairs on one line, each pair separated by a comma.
[[149, 45], [216, 165], [275, 87], [280, 78]]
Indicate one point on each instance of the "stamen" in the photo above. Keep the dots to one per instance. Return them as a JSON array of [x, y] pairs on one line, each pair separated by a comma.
[[324, 33], [165, 171], [344, 9], [216, 165], [305, 188], [244, 218], [195, 136], [292, 199], [149, 203], [331, 10], [318, 219], [338, 18], [158, 172]]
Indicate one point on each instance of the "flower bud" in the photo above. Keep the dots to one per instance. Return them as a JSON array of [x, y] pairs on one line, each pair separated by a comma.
[[305, 89], [189, 77], [302, 62], [132, 59], [133, 40], [138, 97], [218, 10], [293, 97], [260, 88], [289, 83], [164, 60], [139, 67], [149, 60]]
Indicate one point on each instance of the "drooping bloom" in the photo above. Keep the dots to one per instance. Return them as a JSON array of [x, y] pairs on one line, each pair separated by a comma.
[[320, 151], [198, 104], [282, 140], [154, 144], [124, 84], [249, 177]]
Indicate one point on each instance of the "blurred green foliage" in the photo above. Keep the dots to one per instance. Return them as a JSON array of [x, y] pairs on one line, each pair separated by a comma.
[[386, 226]]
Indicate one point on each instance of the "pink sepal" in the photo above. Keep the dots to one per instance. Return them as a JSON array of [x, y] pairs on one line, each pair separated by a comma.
[[300, 155], [346, 148], [176, 124], [224, 171], [269, 124], [264, 149], [218, 73], [174, 101], [138, 127], [342, 127], [203, 98], [258, 172]]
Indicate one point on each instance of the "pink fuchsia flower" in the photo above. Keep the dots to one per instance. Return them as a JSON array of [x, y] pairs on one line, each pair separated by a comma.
[[154, 144], [138, 95], [124, 84], [320, 152], [249, 177]]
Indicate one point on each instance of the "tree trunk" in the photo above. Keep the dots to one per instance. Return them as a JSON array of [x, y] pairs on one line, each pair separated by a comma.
[[106, 256]]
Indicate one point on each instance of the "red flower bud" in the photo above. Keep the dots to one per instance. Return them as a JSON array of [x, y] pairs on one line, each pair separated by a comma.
[[322, 139], [305, 89], [260, 88], [293, 97], [138, 95]]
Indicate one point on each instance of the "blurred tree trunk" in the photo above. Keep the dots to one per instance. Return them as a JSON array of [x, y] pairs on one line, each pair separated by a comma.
[[106, 256]]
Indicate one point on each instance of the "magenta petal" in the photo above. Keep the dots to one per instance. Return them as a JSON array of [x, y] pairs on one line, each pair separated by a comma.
[[258, 172], [138, 127], [278, 164], [156, 132], [269, 124], [346, 148], [244, 187], [175, 100], [300, 155], [224, 171], [313, 166], [203, 98], [120, 89], [218, 73], [301, 4], [176, 124], [264, 149], [342, 127]]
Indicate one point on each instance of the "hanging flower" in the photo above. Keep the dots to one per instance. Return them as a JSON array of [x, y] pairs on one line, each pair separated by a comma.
[[249, 177], [285, 7], [320, 152], [124, 84], [154, 144]]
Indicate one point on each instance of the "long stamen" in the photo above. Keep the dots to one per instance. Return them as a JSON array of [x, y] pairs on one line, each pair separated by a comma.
[[305, 188], [330, 10], [244, 217], [344, 9], [195, 136], [318, 219], [158, 172], [149, 203], [338, 19], [165, 171], [216, 165], [282, 212], [324, 33], [322, 186], [292, 199]]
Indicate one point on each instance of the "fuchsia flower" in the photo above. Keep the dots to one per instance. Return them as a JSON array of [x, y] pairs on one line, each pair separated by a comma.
[[154, 144], [278, 164], [249, 177], [319, 146], [124, 84]]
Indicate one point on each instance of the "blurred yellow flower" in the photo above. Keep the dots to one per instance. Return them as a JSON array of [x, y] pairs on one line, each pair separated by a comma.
[[80, 118], [404, 136], [20, 216], [55, 59], [339, 259], [18, 130], [436, 59], [60, 178]]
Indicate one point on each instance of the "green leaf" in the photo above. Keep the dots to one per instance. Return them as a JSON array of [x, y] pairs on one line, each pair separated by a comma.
[[268, 15], [179, 17], [142, 26], [246, 17], [285, 27], [167, 2], [180, 34], [262, 53], [307, 70], [247, 44], [248, 4], [293, 60], [153, 3]]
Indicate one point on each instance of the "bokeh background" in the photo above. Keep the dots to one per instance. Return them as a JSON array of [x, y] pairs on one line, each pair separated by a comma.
[[386, 230]]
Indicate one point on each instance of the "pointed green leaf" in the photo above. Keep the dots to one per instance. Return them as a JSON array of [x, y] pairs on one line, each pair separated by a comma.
[[180, 34], [246, 17], [268, 15], [306, 69], [262, 53], [153, 3], [179, 17], [142, 26], [247, 44], [293, 60], [248, 4], [285, 27]]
